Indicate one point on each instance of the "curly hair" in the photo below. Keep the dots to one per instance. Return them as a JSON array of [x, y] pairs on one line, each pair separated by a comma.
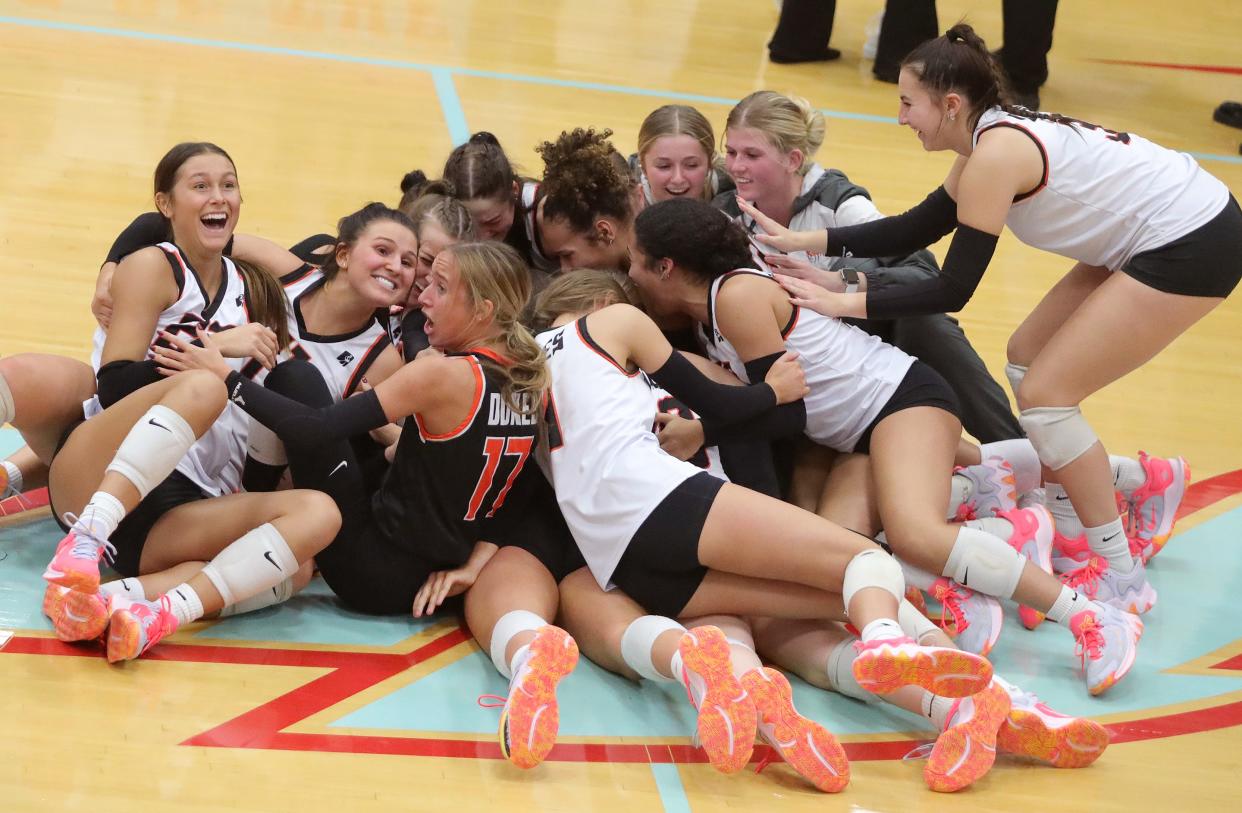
[[698, 237], [583, 179]]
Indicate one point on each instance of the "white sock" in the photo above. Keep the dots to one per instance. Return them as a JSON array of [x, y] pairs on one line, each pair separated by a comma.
[[1058, 504], [1068, 604], [840, 672], [1021, 455], [14, 476], [961, 489], [101, 515], [1109, 540], [882, 629], [937, 708], [518, 660], [1128, 473], [675, 666], [996, 526], [130, 588], [185, 603], [639, 640], [268, 598]]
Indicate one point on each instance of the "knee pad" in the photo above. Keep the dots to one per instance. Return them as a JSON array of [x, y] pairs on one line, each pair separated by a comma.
[[268, 598], [153, 448], [872, 568], [509, 625], [1015, 373], [984, 563], [840, 670], [913, 622], [7, 412], [638, 639], [263, 445], [254, 564], [299, 380], [1060, 435]]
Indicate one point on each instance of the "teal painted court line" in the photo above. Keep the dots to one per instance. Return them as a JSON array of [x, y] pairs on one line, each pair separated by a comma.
[[672, 792], [442, 75]]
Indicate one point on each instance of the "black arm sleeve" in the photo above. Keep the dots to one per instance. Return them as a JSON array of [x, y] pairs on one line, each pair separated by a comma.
[[946, 292], [778, 422], [305, 427], [905, 233], [116, 379], [721, 402], [147, 229], [258, 476]]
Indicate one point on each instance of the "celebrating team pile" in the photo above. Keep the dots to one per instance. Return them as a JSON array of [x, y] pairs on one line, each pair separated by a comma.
[[684, 412]]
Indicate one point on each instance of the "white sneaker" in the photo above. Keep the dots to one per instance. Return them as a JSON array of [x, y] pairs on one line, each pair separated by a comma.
[[1107, 643]]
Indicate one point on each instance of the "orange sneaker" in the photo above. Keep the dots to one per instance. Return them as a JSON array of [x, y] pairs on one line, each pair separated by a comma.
[[134, 626], [76, 616], [1033, 730], [76, 562], [727, 716], [965, 750], [531, 717], [887, 664], [808, 747]]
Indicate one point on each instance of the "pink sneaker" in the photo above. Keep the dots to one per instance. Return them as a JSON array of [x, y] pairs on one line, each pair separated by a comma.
[[1032, 729], [1153, 505], [1107, 643], [966, 749], [1034, 535], [728, 719], [1131, 591], [885, 665], [992, 489], [76, 562], [135, 626], [1069, 554], [973, 619], [76, 616]]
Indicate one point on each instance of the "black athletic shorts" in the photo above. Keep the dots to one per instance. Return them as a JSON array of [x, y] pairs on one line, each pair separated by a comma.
[[660, 568], [1204, 262], [540, 530], [922, 386]]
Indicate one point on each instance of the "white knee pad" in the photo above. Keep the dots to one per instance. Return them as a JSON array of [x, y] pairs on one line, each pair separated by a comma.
[[840, 671], [984, 563], [872, 568], [913, 622], [1015, 373], [268, 598], [153, 448], [254, 564], [639, 638], [263, 445], [1060, 435], [509, 625], [7, 412]]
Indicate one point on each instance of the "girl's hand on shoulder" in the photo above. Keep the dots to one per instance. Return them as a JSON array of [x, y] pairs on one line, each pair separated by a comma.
[[809, 295], [182, 355], [799, 268], [787, 379]]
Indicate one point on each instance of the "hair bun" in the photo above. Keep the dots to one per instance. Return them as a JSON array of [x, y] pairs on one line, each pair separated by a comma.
[[413, 180], [484, 137]]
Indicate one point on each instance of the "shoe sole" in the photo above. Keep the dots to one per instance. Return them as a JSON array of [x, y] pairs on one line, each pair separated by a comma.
[[1076, 744], [811, 749], [75, 616], [947, 672], [74, 580], [727, 718], [965, 753], [532, 711], [124, 637]]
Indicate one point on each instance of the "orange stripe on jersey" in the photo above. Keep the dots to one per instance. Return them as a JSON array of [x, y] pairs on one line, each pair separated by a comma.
[[368, 358], [1043, 153], [479, 387], [585, 335], [487, 352], [793, 322]]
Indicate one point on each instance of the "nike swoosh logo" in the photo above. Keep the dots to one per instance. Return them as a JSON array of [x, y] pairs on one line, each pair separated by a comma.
[[344, 464], [267, 554], [72, 616], [965, 577], [1060, 497], [125, 586], [154, 422], [1107, 538]]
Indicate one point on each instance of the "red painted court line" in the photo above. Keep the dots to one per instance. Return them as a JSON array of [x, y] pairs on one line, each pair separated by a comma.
[[26, 501], [1212, 490], [1173, 66]]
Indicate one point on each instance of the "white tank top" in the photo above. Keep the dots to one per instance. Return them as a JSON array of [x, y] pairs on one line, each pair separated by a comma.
[[608, 469], [851, 374], [214, 463], [1105, 196], [708, 458]]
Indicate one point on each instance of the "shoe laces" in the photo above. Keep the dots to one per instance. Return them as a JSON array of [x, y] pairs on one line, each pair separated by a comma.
[[772, 755], [87, 545], [966, 512], [1087, 577], [1090, 641], [950, 599], [493, 701]]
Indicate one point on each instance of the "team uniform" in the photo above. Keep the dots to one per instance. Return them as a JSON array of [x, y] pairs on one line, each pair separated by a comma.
[[1118, 201], [855, 380], [635, 511]]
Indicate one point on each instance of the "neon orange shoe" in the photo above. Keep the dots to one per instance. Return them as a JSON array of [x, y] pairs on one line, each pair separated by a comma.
[[966, 749], [1034, 730], [808, 747], [887, 664], [531, 716], [727, 716], [134, 626], [75, 616], [76, 562]]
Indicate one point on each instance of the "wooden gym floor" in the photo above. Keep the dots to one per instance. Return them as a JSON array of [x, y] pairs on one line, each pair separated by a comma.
[[324, 105]]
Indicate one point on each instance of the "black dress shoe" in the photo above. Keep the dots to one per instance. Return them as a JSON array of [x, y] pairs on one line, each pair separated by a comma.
[[782, 58]]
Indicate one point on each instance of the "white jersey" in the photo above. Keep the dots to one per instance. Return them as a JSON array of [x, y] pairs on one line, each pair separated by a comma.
[[608, 469], [528, 197], [1105, 196], [214, 462], [708, 458], [851, 374]]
